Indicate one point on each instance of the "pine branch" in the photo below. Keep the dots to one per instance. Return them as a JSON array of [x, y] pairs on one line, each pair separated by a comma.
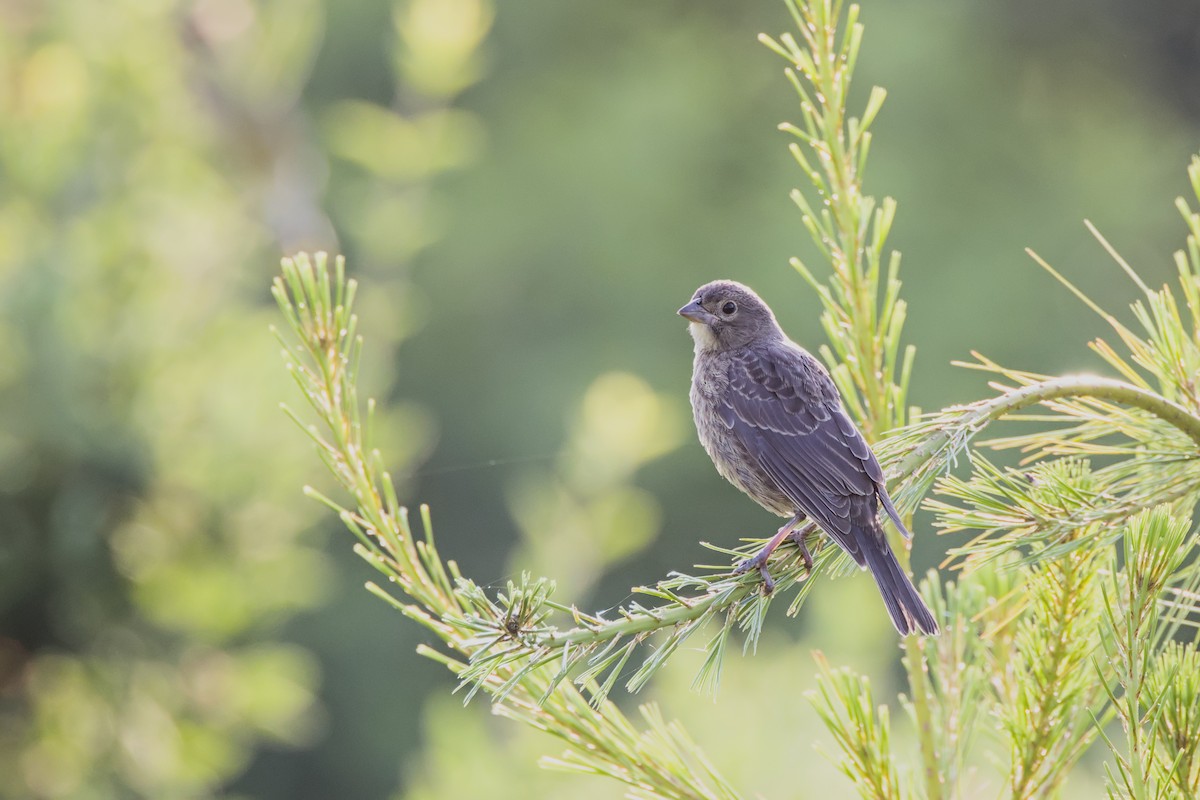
[[862, 313], [861, 728], [1174, 679], [1155, 545], [947, 679], [658, 762], [919, 453], [1045, 711]]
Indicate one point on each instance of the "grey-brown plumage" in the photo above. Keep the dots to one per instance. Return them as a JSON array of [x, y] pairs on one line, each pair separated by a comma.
[[773, 423]]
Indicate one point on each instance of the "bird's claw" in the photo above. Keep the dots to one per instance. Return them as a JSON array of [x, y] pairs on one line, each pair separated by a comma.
[[758, 562], [800, 537]]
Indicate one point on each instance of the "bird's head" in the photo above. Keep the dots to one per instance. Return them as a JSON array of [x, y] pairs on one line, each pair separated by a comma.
[[726, 314]]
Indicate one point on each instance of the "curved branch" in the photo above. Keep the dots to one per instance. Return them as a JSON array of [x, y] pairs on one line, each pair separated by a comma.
[[978, 414]]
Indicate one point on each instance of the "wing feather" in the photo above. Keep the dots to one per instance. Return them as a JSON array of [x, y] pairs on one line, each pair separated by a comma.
[[785, 411]]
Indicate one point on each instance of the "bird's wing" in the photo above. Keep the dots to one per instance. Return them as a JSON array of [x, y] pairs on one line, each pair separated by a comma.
[[785, 411]]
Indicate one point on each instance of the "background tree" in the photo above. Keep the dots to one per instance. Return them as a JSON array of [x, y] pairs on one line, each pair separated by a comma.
[[155, 158]]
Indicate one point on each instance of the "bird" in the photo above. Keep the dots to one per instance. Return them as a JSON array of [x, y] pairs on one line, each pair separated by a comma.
[[772, 421]]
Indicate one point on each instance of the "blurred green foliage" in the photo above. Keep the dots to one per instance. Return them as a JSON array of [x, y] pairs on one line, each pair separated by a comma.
[[530, 189]]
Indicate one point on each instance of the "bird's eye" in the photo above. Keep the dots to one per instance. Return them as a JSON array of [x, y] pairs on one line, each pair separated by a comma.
[[729, 307]]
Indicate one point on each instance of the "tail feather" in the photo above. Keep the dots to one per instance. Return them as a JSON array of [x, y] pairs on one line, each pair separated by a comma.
[[904, 603]]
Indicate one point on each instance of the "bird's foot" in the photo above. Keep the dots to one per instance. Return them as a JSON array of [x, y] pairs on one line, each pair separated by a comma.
[[758, 562], [800, 537]]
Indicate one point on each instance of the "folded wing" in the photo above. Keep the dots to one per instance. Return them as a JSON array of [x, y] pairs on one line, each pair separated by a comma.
[[784, 409]]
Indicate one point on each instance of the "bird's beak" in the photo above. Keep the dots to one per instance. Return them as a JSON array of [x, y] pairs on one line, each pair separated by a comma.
[[696, 313]]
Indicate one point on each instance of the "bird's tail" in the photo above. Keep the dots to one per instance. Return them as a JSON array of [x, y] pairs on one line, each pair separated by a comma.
[[903, 602]]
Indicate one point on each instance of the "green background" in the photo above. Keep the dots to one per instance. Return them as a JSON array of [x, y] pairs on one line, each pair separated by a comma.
[[526, 192]]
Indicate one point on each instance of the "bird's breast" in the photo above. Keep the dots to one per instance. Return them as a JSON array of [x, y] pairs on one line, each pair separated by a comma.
[[710, 382]]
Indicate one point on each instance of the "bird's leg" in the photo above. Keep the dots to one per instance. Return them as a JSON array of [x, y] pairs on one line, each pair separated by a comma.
[[800, 537], [759, 560]]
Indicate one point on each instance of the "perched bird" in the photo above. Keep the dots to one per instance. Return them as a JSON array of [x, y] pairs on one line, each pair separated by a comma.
[[773, 423]]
